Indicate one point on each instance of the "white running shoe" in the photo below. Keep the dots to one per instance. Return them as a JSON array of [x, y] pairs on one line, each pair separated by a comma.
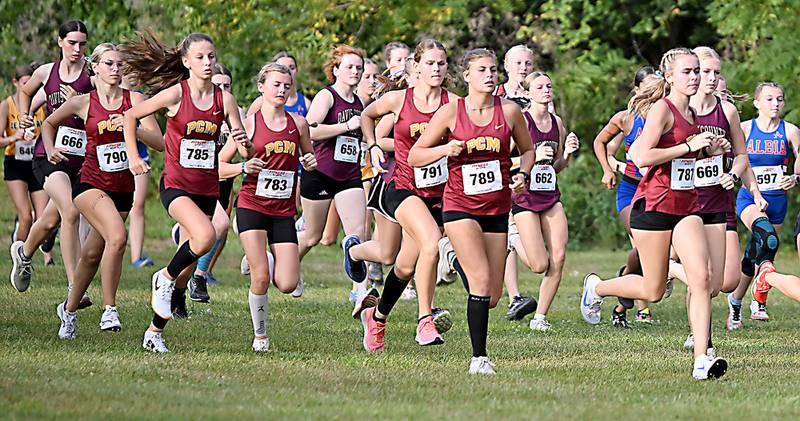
[[154, 342], [261, 345], [374, 272], [668, 290], [445, 274], [481, 365], [244, 267], [68, 322], [161, 298], [409, 293], [109, 321], [591, 303], [21, 269], [540, 325], [300, 288], [709, 368], [513, 235], [758, 311], [689, 343], [734, 315]]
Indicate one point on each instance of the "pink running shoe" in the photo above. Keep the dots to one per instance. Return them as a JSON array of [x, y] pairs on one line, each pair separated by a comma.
[[373, 331], [761, 287], [427, 333]]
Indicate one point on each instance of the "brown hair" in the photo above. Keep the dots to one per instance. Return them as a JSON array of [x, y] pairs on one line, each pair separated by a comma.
[[156, 66], [281, 54], [768, 84], [474, 54], [269, 68], [425, 45], [220, 69], [335, 58], [394, 45], [651, 92], [26, 70]]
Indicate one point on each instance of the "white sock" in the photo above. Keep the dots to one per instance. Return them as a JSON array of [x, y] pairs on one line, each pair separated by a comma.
[[259, 309], [538, 316]]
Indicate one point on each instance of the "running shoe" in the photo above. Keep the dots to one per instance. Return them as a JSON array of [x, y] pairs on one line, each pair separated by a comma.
[[734, 315], [365, 300], [668, 290], [644, 316], [375, 273], [49, 262], [161, 297], [688, 344], [442, 319], [521, 306], [427, 333], [85, 302], [356, 270], [175, 234], [49, 242], [109, 321], [300, 224], [445, 274], [409, 293], [761, 287], [619, 320], [709, 368], [481, 365], [300, 288], [261, 345], [591, 303], [178, 304], [154, 342], [758, 311], [22, 269], [244, 267], [68, 322], [142, 262], [373, 331], [539, 325], [625, 302], [211, 279], [198, 289]]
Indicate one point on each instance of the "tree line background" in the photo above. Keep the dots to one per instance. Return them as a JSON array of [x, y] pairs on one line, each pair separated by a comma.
[[591, 48]]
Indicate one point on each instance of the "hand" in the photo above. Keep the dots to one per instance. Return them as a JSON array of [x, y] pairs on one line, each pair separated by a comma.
[[454, 148], [137, 166], [700, 141], [544, 153], [376, 159], [354, 123], [609, 180], [240, 136], [309, 161], [253, 166], [760, 202], [67, 91], [25, 121], [726, 181], [719, 145], [518, 183], [27, 134], [571, 145], [788, 182], [115, 122]]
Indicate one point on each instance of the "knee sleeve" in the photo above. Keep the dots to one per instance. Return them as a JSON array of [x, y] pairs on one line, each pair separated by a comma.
[[765, 240], [748, 262]]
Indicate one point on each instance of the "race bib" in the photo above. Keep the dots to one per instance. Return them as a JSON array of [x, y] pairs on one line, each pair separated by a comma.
[[112, 157], [71, 141], [432, 174], [347, 150], [275, 184], [543, 178], [769, 177], [197, 153], [24, 150], [707, 171], [483, 177], [363, 154], [682, 175]]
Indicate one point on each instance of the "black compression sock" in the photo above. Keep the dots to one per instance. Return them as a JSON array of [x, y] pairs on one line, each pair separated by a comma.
[[182, 259], [460, 270], [158, 322], [478, 321], [393, 288]]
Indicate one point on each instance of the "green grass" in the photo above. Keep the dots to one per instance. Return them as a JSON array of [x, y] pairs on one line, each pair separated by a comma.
[[317, 368]]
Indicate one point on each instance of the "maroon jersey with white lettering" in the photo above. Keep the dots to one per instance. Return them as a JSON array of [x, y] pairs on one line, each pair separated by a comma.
[[105, 166], [661, 192], [410, 124], [191, 145], [479, 176], [540, 201], [339, 157], [715, 199], [272, 191]]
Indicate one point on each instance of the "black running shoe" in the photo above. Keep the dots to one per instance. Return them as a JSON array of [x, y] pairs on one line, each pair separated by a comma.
[[178, 304], [625, 302], [520, 307], [198, 289], [619, 320], [49, 242]]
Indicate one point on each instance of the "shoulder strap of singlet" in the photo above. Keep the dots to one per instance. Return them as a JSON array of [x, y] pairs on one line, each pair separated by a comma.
[[782, 130], [554, 125], [290, 124], [53, 71], [498, 109], [126, 99], [529, 120], [12, 106], [444, 98], [219, 101]]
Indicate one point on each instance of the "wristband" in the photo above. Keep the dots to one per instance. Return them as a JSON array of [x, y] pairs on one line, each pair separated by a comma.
[[347, 126], [736, 179], [374, 145], [690, 148], [796, 178], [244, 165]]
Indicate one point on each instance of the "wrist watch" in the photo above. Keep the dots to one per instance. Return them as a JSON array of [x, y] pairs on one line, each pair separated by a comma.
[[244, 164], [736, 179]]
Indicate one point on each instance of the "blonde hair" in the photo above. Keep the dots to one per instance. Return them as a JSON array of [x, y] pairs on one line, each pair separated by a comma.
[[526, 84], [335, 58], [514, 49], [768, 84], [100, 50], [705, 53], [272, 67], [649, 93], [394, 45]]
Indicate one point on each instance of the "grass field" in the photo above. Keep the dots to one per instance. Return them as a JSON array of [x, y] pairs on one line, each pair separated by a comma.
[[317, 369]]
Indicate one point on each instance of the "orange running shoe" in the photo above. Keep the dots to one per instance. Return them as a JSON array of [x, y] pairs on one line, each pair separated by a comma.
[[760, 286]]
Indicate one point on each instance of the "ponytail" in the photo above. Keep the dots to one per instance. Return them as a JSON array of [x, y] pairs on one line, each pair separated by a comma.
[[651, 92]]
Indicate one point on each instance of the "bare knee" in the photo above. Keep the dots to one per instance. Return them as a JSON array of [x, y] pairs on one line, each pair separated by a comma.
[[91, 257], [116, 243], [258, 283], [203, 240], [403, 271], [699, 282], [286, 286], [221, 227], [539, 263], [70, 215], [493, 302]]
